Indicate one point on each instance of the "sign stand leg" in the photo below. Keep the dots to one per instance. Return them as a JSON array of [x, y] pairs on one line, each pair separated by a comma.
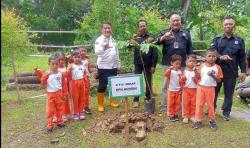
[[126, 125]]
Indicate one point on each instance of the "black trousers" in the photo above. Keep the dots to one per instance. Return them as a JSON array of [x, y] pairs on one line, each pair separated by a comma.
[[229, 85], [103, 75], [148, 77]]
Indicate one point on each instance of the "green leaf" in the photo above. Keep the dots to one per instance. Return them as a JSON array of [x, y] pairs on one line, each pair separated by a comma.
[[144, 47], [122, 44]]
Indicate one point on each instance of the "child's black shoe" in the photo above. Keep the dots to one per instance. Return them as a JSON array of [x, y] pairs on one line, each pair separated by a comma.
[[87, 110], [197, 125], [61, 125], [171, 118], [213, 124], [226, 117], [49, 130], [176, 118]]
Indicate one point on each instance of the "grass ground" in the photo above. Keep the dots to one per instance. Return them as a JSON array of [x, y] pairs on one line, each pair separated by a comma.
[[24, 125]]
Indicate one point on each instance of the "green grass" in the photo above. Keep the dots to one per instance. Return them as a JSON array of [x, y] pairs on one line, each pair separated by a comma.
[[28, 64], [24, 125]]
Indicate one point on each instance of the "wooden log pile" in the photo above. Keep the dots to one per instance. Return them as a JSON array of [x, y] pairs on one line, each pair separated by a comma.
[[26, 80]]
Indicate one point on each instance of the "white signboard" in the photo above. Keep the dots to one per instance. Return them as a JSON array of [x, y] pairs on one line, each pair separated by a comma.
[[125, 86]]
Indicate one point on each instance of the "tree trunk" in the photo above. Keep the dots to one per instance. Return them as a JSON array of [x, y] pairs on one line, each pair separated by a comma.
[[201, 36], [185, 7], [15, 76]]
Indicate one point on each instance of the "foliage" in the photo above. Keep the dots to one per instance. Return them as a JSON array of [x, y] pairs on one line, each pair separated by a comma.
[[51, 15], [208, 23], [12, 39], [164, 7], [123, 19], [120, 17]]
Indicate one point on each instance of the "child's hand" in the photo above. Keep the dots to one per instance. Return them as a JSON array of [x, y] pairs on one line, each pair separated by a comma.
[[183, 77], [106, 45], [47, 72], [70, 67], [68, 59], [210, 73]]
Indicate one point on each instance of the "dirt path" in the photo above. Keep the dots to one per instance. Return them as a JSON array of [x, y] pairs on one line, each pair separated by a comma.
[[245, 115]]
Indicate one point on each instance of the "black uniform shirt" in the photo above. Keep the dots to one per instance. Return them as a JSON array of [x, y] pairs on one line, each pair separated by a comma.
[[233, 47], [185, 46]]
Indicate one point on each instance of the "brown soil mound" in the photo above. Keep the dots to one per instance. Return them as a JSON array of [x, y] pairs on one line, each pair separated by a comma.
[[139, 124]]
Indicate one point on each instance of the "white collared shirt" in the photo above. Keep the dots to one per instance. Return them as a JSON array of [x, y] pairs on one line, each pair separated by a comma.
[[78, 71], [190, 75], [207, 80], [54, 82], [108, 58], [174, 80], [86, 66]]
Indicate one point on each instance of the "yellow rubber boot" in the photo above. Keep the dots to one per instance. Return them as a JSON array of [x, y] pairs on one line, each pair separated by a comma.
[[100, 98], [112, 103]]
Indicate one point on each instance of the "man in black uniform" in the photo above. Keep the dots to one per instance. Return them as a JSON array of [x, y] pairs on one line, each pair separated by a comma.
[[175, 41], [144, 61], [230, 55]]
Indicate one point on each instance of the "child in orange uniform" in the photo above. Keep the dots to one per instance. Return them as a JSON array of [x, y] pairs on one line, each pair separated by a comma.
[[56, 89], [62, 69], [210, 73], [174, 88], [189, 90], [76, 72], [86, 63]]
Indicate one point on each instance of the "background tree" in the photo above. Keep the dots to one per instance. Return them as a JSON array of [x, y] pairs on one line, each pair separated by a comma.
[[14, 42], [51, 15]]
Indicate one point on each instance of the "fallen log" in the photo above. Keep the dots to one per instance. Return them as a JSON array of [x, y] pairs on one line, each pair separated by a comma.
[[26, 80], [24, 74], [12, 86]]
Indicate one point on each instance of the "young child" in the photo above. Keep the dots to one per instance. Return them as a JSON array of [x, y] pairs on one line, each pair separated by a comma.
[[76, 72], [189, 79], [174, 87], [62, 69], [209, 73], [56, 89], [86, 63]]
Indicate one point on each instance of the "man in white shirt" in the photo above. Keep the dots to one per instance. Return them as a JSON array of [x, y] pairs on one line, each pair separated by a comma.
[[107, 62]]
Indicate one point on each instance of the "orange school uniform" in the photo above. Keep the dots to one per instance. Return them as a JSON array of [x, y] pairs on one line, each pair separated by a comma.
[[206, 90], [87, 82], [189, 94], [77, 87], [66, 105], [173, 92], [56, 89], [66, 108]]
